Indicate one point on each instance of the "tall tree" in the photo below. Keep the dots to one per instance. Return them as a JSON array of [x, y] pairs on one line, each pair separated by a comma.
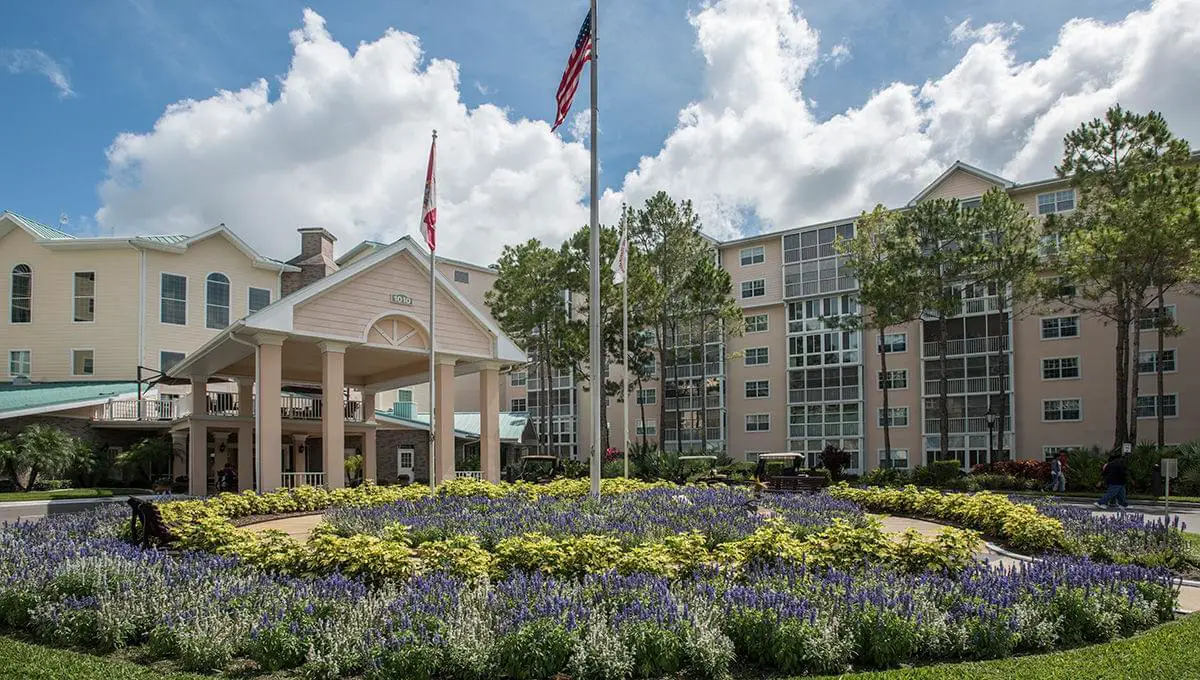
[[882, 254], [38, 449], [527, 302], [948, 248], [668, 233], [1008, 261], [1107, 244], [711, 305]]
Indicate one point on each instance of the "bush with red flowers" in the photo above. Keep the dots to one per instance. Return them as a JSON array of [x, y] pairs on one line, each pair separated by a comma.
[[1025, 469]]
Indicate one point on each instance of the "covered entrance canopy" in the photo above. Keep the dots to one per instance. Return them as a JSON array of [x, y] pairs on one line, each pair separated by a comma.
[[362, 329]]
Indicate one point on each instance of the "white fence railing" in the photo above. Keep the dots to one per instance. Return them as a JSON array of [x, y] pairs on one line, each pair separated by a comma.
[[291, 407], [469, 474], [982, 345], [137, 410], [967, 385], [291, 480]]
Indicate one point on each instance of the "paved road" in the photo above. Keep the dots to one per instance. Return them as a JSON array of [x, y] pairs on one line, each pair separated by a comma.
[[15, 510], [1188, 516]]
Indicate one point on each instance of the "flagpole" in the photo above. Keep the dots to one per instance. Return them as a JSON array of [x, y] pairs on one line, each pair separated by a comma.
[[433, 443], [625, 343], [594, 306]]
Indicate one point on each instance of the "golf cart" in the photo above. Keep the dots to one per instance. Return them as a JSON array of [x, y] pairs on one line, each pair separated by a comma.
[[792, 478], [536, 468]]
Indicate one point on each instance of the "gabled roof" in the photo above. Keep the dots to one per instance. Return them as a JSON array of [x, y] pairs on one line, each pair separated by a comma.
[[27, 400], [278, 316], [177, 243], [357, 250], [36, 229], [960, 166]]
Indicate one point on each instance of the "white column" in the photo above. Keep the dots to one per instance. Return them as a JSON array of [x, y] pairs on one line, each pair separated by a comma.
[[299, 453], [333, 413]]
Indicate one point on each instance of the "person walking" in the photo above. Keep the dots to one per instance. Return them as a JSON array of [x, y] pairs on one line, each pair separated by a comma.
[[1058, 474], [1116, 474]]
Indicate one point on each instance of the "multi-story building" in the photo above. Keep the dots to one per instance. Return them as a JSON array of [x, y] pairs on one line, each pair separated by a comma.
[[794, 381]]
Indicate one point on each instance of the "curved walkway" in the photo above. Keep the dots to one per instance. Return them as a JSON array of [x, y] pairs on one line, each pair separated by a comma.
[[300, 528]]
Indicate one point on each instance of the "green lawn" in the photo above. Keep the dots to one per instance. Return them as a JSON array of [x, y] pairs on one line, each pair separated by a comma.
[[22, 661], [1168, 651], [68, 493]]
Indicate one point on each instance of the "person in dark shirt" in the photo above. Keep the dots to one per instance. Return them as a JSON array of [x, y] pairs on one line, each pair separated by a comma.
[[1116, 474]]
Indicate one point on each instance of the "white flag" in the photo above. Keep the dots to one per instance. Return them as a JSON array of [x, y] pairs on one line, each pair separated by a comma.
[[621, 261]]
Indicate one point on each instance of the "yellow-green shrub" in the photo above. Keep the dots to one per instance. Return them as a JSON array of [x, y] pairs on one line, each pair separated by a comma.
[[1018, 524], [459, 555]]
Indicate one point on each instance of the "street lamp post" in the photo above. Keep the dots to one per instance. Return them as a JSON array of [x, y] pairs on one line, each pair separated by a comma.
[[991, 421]]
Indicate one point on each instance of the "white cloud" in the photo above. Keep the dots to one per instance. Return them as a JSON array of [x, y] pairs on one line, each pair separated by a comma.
[[343, 145], [37, 61], [752, 140]]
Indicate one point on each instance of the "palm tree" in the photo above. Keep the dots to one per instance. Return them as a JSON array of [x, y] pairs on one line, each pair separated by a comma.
[[40, 449], [145, 455]]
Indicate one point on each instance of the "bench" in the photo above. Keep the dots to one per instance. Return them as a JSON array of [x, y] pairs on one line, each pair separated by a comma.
[[796, 483], [153, 527]]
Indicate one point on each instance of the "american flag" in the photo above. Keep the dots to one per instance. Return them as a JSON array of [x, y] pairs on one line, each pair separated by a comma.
[[429, 207], [570, 78]]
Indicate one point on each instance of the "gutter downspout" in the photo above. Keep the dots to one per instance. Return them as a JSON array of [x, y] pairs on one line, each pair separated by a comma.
[[141, 306]]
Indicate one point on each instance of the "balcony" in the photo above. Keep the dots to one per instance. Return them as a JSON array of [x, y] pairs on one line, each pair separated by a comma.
[[981, 345], [692, 435], [225, 405], [990, 385], [957, 425], [818, 395], [692, 403], [687, 371]]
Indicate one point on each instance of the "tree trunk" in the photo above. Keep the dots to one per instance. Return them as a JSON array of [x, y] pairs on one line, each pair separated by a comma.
[[642, 407], [1158, 367], [678, 394], [605, 435], [661, 430], [545, 379], [703, 388], [887, 417], [1121, 427], [1135, 387], [943, 389]]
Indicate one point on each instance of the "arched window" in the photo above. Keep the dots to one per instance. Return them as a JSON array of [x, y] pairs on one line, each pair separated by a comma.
[[216, 301], [22, 294]]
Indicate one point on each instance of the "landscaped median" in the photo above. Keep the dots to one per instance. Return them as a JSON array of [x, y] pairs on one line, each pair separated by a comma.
[[516, 581]]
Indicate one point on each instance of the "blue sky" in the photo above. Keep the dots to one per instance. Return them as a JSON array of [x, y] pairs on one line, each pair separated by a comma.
[[126, 61]]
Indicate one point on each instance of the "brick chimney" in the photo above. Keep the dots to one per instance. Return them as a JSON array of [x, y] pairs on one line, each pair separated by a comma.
[[315, 259]]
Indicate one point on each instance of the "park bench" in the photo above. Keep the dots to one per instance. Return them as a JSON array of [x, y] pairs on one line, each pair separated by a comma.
[[153, 526], [796, 483]]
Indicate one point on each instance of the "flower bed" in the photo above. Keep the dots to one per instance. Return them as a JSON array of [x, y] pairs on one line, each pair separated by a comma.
[[1126, 538], [68, 580]]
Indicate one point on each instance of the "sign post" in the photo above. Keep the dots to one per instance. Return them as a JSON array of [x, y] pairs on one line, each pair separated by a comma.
[[1169, 468]]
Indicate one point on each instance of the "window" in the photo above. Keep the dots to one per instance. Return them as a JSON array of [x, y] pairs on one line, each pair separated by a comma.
[[461, 276], [173, 295], [753, 255], [519, 406], [1060, 368], [404, 461], [1056, 202], [894, 343], [758, 389], [1060, 288], [756, 323], [85, 297], [1147, 406], [1057, 410], [20, 363], [83, 362], [216, 301], [755, 288], [755, 356], [166, 360], [647, 428], [1149, 320], [1148, 361], [259, 298], [404, 396], [22, 294], [648, 396], [1060, 327], [899, 417], [752, 456], [758, 422], [518, 378], [898, 460], [894, 380]]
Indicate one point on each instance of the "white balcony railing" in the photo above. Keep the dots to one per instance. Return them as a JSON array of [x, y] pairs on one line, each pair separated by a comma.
[[692, 403], [133, 410], [469, 474], [291, 480], [957, 425], [989, 385], [983, 345]]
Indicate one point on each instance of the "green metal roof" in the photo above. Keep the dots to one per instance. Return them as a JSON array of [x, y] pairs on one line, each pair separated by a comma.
[[42, 230], [47, 395], [466, 425], [168, 239]]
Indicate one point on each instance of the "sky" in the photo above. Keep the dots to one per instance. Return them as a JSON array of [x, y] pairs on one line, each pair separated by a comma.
[[145, 117]]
